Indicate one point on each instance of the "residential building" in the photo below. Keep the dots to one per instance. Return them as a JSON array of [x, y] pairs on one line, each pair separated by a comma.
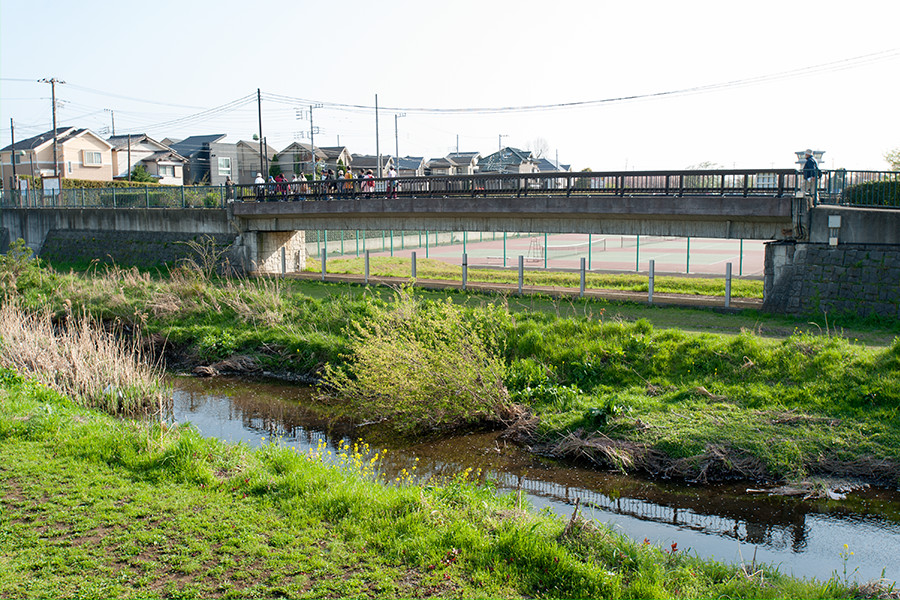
[[441, 166], [364, 162], [248, 161], [297, 158], [210, 160], [410, 166], [466, 162], [508, 160], [161, 162], [81, 154]]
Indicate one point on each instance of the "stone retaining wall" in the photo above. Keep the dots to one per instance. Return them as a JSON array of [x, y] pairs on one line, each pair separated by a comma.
[[858, 279], [131, 248]]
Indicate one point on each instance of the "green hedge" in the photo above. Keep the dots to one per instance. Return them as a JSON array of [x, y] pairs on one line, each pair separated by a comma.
[[874, 193]]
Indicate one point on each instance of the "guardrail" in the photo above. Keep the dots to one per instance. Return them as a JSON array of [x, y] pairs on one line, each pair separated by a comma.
[[851, 188]]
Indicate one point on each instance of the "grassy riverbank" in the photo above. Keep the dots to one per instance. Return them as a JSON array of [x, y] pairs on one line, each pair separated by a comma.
[[620, 393], [436, 269], [94, 506]]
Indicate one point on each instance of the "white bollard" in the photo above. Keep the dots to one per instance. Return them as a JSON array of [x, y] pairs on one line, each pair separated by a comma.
[[521, 273], [283, 262], [727, 285], [324, 263], [650, 287], [465, 270], [581, 294], [414, 264]]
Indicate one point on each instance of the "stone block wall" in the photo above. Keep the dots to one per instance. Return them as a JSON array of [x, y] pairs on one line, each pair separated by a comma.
[[132, 248], [858, 279]]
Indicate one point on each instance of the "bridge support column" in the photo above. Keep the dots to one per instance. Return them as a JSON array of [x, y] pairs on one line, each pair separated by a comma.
[[264, 250]]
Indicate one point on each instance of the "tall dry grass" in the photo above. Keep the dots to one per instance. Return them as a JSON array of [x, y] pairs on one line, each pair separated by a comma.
[[81, 360]]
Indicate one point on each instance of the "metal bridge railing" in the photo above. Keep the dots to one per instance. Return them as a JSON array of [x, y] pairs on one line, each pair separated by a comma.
[[851, 188]]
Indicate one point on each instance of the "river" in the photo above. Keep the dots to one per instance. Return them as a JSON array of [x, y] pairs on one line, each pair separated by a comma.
[[803, 538]]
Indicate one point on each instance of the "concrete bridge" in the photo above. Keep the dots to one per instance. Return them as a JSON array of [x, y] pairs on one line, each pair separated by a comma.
[[259, 224]]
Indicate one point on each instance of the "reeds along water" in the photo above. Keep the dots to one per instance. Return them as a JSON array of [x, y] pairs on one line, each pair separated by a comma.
[[79, 358]]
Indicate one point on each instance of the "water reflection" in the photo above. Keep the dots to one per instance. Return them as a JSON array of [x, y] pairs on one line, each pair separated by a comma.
[[803, 537]]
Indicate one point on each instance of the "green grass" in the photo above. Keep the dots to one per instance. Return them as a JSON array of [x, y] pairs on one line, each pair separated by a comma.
[[98, 507], [430, 268], [717, 400]]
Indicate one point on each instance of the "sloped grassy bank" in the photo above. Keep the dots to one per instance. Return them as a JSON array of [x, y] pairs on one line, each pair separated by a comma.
[[621, 395], [96, 506]]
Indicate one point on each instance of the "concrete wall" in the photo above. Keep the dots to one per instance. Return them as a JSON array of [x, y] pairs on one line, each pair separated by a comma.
[[810, 278]]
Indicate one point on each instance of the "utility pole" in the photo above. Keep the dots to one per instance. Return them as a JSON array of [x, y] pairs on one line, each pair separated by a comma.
[[129, 157], [377, 149], [396, 140], [499, 152], [112, 114], [312, 139], [53, 81], [12, 133], [261, 140]]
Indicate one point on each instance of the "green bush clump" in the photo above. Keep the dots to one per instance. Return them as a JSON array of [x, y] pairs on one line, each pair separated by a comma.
[[422, 365], [873, 193]]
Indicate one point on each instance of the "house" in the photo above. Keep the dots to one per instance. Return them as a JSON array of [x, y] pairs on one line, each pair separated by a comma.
[[248, 161], [161, 162], [364, 162], [548, 166], [297, 158], [81, 154], [410, 166], [508, 160], [336, 157], [441, 166], [466, 162], [210, 160]]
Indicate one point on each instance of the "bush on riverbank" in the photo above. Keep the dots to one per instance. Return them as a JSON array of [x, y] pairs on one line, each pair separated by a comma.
[[423, 365], [101, 507]]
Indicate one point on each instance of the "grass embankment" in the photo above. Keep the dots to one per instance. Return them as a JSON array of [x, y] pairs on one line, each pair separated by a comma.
[[619, 393], [428, 268], [94, 506]]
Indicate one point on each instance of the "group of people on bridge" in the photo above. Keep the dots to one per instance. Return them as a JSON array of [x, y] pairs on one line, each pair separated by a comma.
[[331, 185]]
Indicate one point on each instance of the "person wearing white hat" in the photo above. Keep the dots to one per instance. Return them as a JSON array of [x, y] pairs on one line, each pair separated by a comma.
[[260, 185], [810, 174]]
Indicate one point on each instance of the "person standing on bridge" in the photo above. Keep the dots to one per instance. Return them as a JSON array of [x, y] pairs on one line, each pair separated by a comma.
[[260, 185], [810, 175], [392, 185]]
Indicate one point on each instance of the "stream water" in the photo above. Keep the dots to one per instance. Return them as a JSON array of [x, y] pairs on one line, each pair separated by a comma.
[[801, 537]]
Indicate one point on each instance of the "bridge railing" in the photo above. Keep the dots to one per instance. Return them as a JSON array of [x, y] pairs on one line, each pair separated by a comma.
[[773, 182], [114, 197], [852, 188], [859, 188]]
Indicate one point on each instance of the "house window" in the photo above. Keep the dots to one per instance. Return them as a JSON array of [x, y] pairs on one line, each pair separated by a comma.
[[92, 159], [224, 165], [18, 159], [169, 170], [69, 163]]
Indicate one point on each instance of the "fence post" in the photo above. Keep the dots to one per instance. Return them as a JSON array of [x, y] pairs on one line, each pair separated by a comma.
[[367, 267], [465, 270], [650, 286], [546, 250], [590, 250], [741, 259], [114, 197], [357, 243], [182, 197], [637, 254], [413, 273], [727, 285], [426, 244], [283, 262], [504, 249], [147, 195], [324, 264], [581, 293], [521, 273], [82, 197], [687, 268], [392, 242]]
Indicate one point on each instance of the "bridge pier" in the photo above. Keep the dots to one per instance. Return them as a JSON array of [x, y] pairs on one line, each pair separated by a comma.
[[263, 250]]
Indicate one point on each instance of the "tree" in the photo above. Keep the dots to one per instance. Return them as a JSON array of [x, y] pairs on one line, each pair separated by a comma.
[[893, 158], [539, 147], [141, 175]]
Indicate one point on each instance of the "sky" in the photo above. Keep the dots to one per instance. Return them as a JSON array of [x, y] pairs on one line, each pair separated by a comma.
[[636, 85]]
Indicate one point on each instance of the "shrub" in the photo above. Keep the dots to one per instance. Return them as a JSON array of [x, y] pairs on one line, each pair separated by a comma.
[[874, 193], [423, 365]]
